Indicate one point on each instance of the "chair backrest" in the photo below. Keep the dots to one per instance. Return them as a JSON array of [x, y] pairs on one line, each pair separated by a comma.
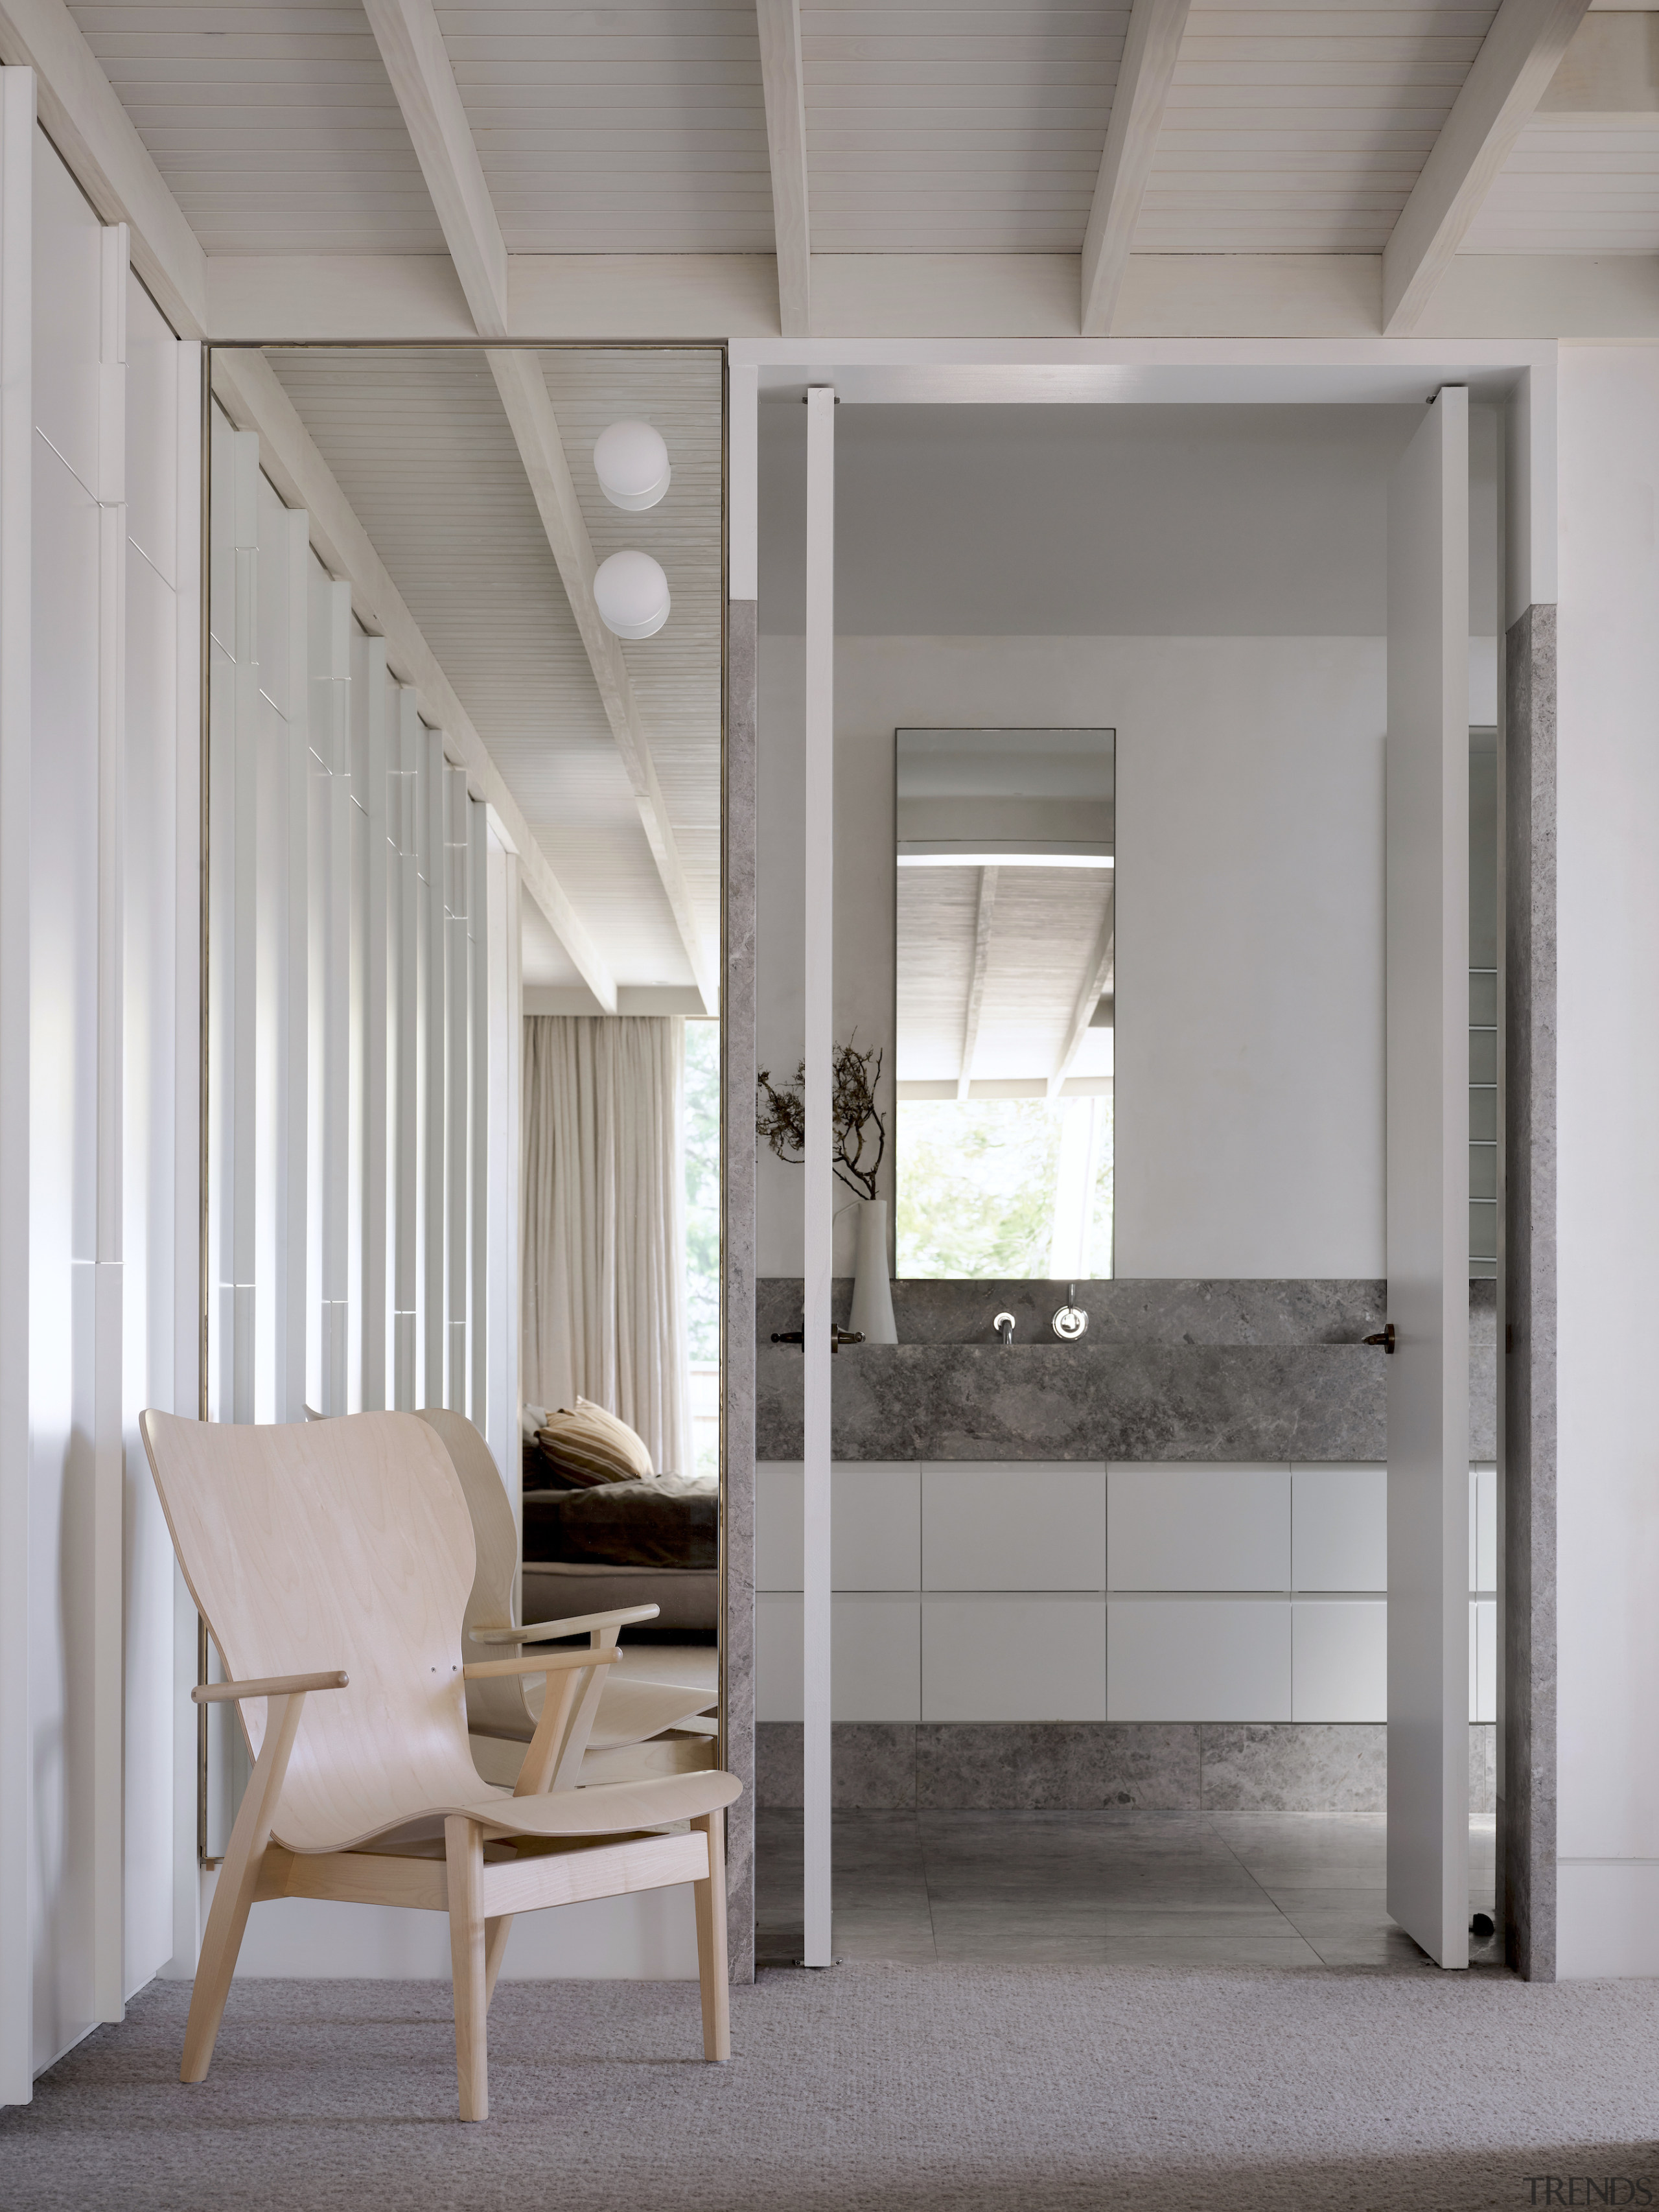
[[339, 1543], [499, 1702]]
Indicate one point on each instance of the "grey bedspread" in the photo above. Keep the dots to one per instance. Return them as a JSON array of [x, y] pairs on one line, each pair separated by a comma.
[[672, 1521]]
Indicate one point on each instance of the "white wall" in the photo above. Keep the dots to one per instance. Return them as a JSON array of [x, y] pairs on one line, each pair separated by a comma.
[[101, 744], [1608, 1191], [1231, 562], [1249, 996]]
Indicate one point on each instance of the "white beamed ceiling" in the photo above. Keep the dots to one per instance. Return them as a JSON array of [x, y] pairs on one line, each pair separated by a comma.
[[634, 129], [1302, 130], [1576, 184], [931, 127], [951, 129], [420, 444], [275, 126]]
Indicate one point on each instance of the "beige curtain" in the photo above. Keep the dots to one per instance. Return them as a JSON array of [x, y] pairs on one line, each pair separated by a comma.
[[604, 1239]]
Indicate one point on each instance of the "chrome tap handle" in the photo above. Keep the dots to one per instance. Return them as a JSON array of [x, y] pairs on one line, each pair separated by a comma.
[[1004, 1325]]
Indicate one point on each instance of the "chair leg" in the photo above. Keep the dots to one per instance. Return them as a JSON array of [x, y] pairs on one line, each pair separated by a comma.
[[238, 1880], [713, 1971], [464, 1861], [495, 1934]]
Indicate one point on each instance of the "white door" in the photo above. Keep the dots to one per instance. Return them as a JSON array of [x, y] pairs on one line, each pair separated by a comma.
[[1428, 935]]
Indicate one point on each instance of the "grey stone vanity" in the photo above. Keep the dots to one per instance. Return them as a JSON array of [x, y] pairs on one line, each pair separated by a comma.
[[1167, 1370], [1250, 1372]]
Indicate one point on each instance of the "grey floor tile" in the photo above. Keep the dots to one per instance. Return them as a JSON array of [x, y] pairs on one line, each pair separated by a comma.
[[969, 1932]]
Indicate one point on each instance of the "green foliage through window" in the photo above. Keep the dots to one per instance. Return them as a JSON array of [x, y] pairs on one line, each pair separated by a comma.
[[980, 1189]]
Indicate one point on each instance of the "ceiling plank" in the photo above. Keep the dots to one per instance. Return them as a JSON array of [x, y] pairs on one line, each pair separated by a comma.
[[1150, 53], [1510, 75], [983, 918], [784, 83], [82, 114], [248, 389], [418, 61], [523, 387], [1095, 976]]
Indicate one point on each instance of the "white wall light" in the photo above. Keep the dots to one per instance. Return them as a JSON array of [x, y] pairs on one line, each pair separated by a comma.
[[631, 462], [631, 593]]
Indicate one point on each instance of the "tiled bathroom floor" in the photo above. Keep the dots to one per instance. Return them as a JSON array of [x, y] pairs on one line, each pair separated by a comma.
[[1256, 1889]]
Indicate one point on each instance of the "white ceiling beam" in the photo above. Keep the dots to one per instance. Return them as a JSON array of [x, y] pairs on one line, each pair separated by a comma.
[[82, 114], [249, 391], [1150, 51], [423, 77], [983, 918], [783, 81], [1519, 54], [523, 387], [1095, 976]]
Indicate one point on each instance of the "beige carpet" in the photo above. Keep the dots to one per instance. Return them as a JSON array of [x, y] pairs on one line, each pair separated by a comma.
[[879, 2088]]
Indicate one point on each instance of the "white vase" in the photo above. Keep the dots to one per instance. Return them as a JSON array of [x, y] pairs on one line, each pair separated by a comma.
[[872, 1293]]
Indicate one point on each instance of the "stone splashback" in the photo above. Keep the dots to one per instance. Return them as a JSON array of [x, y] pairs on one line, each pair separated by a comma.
[[1169, 1371], [1288, 1767]]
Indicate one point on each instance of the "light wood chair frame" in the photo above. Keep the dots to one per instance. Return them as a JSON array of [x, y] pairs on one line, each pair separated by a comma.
[[563, 1847]]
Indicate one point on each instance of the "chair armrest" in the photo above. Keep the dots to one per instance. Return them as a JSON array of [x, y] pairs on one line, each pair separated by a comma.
[[269, 1686], [539, 1632], [548, 1662]]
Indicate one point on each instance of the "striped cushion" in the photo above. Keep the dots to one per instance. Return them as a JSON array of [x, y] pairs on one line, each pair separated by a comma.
[[586, 1445]]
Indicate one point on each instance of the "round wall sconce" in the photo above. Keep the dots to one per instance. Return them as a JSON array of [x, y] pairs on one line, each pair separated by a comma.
[[631, 462], [631, 593]]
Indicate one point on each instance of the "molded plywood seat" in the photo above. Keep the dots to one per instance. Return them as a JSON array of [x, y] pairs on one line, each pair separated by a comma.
[[331, 1562], [637, 1728]]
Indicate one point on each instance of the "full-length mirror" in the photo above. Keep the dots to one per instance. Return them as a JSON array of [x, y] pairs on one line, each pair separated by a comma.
[[1006, 937], [463, 954]]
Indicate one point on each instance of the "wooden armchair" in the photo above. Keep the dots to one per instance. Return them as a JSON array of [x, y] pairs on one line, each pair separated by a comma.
[[627, 1730], [331, 1563]]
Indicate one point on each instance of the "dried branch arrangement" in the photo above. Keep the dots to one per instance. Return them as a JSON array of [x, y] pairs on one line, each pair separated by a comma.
[[781, 1118]]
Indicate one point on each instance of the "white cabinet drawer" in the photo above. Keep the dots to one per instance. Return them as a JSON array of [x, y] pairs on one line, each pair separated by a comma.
[[1197, 1659], [1185, 1526], [1340, 1659], [875, 1541], [1339, 1528], [1020, 1525], [1013, 1659], [875, 1672]]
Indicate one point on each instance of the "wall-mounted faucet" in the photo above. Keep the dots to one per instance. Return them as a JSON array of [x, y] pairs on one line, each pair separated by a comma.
[[1004, 1326], [1070, 1321]]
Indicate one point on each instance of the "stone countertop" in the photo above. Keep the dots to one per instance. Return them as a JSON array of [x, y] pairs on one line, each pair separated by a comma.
[[1166, 1391], [1119, 1312]]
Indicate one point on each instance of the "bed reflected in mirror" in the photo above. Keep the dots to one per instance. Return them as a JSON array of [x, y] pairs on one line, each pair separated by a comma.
[[463, 1102], [1006, 938]]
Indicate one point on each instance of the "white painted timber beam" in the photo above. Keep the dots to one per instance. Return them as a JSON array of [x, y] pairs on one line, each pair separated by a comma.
[[1510, 75], [983, 918], [784, 83], [1096, 977], [1150, 52], [418, 61], [247, 388], [523, 392], [81, 114]]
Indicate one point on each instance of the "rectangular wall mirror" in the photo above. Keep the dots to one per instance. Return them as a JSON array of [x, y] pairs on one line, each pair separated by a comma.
[[1006, 953], [463, 944]]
